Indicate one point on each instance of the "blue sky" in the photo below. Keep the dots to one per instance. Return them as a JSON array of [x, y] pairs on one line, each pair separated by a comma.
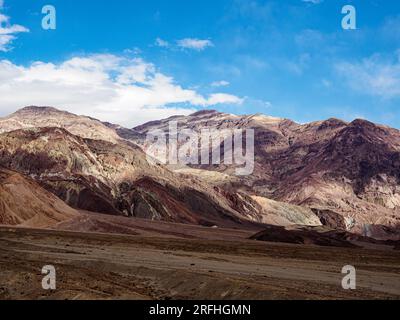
[[134, 61]]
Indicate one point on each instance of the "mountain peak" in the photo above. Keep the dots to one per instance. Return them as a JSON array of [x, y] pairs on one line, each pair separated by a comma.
[[362, 123], [39, 110], [203, 113], [39, 117]]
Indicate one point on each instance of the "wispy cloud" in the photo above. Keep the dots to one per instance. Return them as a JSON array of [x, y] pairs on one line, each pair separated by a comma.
[[8, 30], [162, 43], [194, 44], [389, 28], [221, 83], [113, 88], [313, 1], [298, 65], [253, 10], [187, 44], [377, 75]]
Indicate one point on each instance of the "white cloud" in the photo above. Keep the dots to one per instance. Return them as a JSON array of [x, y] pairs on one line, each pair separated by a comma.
[[162, 43], [194, 44], [108, 87], [373, 76], [221, 83], [187, 43], [8, 31]]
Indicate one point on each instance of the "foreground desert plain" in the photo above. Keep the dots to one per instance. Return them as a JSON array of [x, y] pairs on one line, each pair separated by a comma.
[[171, 261]]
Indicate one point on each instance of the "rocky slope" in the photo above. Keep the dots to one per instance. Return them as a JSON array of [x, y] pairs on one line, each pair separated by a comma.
[[117, 179], [23, 202], [346, 173], [343, 175]]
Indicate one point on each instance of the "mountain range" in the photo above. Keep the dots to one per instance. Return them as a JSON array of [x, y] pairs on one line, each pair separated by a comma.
[[332, 173]]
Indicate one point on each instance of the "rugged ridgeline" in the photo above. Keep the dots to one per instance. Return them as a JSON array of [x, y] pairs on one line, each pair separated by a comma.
[[113, 176], [345, 175]]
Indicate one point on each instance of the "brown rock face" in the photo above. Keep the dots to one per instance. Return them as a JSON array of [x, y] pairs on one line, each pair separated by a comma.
[[23, 202], [347, 173], [114, 179], [343, 175]]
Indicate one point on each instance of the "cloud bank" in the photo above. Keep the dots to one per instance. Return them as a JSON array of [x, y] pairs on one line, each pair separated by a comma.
[[128, 91]]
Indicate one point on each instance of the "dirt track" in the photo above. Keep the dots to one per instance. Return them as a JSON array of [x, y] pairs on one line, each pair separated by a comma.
[[102, 266]]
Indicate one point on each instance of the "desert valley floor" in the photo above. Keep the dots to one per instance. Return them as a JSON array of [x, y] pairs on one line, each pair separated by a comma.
[[171, 261]]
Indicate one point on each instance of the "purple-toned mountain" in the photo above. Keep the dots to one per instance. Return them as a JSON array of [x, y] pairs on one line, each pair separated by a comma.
[[347, 173], [343, 175], [116, 178]]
